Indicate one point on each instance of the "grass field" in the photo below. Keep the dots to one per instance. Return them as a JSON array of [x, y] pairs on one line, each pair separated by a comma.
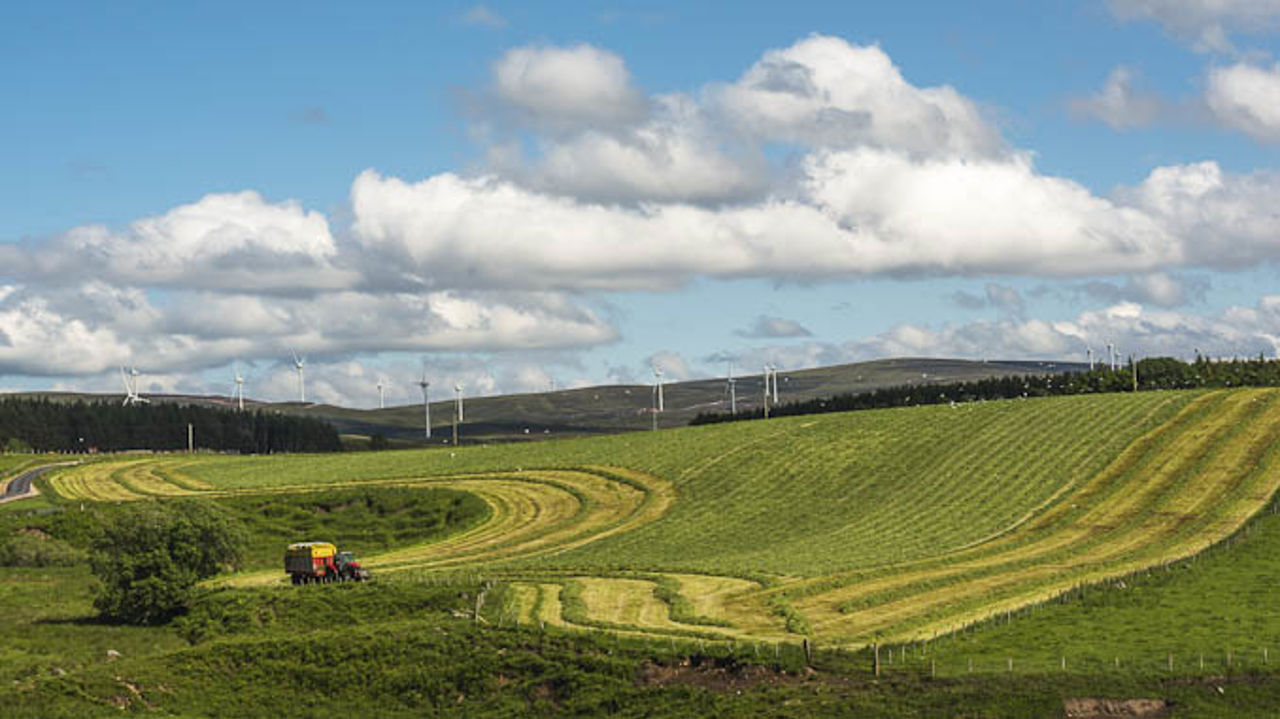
[[889, 526], [983, 548]]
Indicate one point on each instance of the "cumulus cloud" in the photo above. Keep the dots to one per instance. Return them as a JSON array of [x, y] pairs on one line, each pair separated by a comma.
[[565, 88], [766, 326], [234, 240], [825, 92], [1246, 98], [1120, 104]]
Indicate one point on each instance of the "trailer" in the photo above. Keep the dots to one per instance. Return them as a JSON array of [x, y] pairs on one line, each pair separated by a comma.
[[321, 562]]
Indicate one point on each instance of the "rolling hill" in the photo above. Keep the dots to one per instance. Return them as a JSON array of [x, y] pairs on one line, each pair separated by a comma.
[[611, 409]]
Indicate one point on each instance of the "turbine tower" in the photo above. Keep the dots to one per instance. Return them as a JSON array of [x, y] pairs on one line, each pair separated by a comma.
[[298, 364], [657, 387], [1089, 351], [239, 389], [457, 410], [426, 405], [733, 392], [773, 373], [382, 394]]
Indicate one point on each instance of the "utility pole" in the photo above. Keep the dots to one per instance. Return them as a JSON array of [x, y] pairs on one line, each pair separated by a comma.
[[191, 438]]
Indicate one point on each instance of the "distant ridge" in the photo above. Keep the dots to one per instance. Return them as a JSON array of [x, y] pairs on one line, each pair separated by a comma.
[[609, 409]]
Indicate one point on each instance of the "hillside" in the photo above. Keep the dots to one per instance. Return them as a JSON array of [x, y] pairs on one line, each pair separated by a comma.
[[1027, 550], [610, 409], [889, 523]]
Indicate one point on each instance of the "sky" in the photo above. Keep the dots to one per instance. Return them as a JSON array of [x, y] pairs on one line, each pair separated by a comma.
[[520, 196]]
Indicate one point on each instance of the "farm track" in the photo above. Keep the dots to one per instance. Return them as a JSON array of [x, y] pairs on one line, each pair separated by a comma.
[[899, 525]]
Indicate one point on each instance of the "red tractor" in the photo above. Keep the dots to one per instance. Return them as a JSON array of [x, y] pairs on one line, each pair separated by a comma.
[[321, 562]]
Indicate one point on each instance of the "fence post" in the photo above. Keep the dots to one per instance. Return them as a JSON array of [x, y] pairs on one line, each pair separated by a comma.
[[876, 662]]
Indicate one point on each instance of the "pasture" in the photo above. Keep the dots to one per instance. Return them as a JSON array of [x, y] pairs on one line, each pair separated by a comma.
[[882, 526]]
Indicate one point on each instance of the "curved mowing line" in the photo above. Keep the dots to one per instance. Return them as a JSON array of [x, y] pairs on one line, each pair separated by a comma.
[[534, 515]]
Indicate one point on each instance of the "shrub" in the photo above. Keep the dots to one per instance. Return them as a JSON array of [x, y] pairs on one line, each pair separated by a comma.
[[28, 549]]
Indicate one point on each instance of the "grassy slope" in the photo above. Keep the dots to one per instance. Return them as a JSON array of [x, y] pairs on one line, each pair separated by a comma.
[[802, 495], [897, 523]]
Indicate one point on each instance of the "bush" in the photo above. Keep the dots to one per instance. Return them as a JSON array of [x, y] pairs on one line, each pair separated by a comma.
[[37, 550], [150, 555]]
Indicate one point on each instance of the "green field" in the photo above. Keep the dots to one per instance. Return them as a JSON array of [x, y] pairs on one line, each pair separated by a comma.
[[888, 526], [969, 543]]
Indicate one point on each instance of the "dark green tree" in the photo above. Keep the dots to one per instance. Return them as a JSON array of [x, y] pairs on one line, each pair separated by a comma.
[[150, 555]]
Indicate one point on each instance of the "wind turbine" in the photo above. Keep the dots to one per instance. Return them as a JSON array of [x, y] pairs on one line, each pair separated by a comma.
[[1089, 351], [131, 396], [382, 394], [733, 392], [239, 388], [773, 372], [298, 364], [426, 405], [1111, 356]]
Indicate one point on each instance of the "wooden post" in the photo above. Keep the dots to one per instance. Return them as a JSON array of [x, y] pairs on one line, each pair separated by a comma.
[[1170, 661], [191, 439], [1064, 662], [1011, 664], [933, 668], [876, 651], [808, 652]]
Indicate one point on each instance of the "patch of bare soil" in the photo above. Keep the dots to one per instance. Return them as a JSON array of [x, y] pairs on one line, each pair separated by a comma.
[[718, 675], [34, 532], [1099, 708]]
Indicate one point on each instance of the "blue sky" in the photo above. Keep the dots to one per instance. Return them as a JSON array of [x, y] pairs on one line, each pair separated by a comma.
[[526, 192]]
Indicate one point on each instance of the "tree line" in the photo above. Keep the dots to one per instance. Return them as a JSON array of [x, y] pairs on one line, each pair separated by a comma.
[[1152, 373], [47, 426]]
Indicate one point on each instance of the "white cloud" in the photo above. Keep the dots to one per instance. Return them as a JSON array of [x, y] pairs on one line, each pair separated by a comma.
[[568, 88], [1247, 98], [1120, 104], [671, 156], [1220, 220], [825, 92], [235, 240]]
